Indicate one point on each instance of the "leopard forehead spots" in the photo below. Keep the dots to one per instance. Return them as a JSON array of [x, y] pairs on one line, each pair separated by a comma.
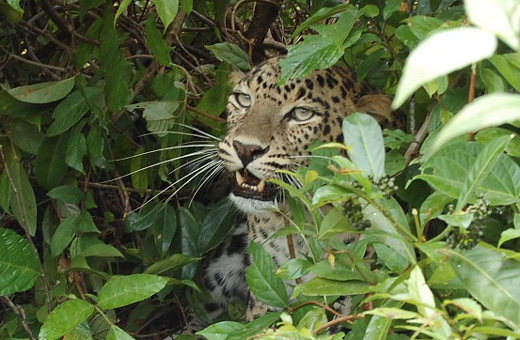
[[271, 125]]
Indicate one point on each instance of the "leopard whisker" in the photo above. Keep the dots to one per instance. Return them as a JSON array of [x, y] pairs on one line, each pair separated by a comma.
[[187, 145], [194, 175], [181, 133], [207, 177], [195, 162], [160, 163], [200, 131]]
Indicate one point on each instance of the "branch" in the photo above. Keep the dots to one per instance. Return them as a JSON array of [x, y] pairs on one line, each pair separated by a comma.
[[265, 14], [21, 314]]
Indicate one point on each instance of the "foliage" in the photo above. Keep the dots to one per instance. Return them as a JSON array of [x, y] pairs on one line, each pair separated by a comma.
[[108, 116]]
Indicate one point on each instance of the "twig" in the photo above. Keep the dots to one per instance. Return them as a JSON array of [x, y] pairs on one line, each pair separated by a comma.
[[34, 63], [205, 114], [21, 314], [419, 138], [338, 321], [316, 303], [471, 93]]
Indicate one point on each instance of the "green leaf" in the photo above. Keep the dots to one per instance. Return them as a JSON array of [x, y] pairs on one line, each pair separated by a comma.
[[65, 318], [171, 262], [64, 234], [422, 26], [72, 109], [95, 144], [261, 278], [491, 279], [216, 225], [393, 313], [27, 137], [101, 250], [144, 219], [66, 194], [165, 226], [483, 165], [187, 6], [76, 149], [420, 292], [320, 287], [490, 110], [470, 306], [390, 8], [85, 223], [507, 70], [116, 333], [123, 5], [440, 54], [363, 134], [19, 263], [159, 115], [293, 269], [22, 199], [232, 54], [379, 325], [508, 234], [50, 166], [256, 326], [120, 291], [448, 169], [321, 14], [189, 234], [390, 258], [156, 43], [116, 69], [221, 330], [167, 10], [44, 92]]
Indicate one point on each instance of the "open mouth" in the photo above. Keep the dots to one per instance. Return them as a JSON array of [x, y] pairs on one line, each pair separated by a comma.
[[249, 186]]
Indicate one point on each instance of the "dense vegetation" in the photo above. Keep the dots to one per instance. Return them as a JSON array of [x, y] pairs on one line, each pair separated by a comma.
[[110, 195]]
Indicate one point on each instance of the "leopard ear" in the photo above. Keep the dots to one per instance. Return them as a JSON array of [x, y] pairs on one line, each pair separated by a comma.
[[378, 106], [236, 76]]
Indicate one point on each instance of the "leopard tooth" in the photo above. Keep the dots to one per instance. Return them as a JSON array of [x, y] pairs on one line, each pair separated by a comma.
[[239, 178], [261, 186]]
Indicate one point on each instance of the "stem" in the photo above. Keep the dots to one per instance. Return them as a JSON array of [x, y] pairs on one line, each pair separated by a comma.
[[21, 314], [316, 303], [347, 318], [418, 227], [442, 234]]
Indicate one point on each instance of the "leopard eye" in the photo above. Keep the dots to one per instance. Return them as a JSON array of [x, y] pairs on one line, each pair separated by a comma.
[[301, 114], [243, 99]]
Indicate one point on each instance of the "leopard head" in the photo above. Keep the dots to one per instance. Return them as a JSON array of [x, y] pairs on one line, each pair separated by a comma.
[[271, 126]]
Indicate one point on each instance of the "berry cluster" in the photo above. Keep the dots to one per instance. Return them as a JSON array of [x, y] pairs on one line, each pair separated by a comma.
[[472, 236], [354, 212], [386, 185]]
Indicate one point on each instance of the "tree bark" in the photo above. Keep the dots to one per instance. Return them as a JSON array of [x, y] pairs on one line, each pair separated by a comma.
[[265, 14]]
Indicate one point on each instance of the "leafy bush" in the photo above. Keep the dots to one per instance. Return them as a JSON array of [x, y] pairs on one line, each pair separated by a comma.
[[102, 231]]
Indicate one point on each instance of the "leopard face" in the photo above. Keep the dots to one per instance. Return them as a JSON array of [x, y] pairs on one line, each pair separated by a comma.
[[271, 126]]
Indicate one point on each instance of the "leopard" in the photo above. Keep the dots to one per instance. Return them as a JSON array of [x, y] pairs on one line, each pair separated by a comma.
[[270, 127]]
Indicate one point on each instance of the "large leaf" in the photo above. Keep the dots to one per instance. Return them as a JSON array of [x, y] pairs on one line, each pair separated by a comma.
[[116, 333], [123, 290], [167, 10], [440, 54], [221, 330], [232, 54], [157, 45], [447, 171], [484, 163], [65, 318], [171, 262], [261, 278], [19, 263], [21, 196], [165, 226], [320, 287], [189, 234], [367, 148], [43, 92], [489, 110], [492, 279], [495, 16], [64, 234], [72, 109], [50, 166], [216, 225]]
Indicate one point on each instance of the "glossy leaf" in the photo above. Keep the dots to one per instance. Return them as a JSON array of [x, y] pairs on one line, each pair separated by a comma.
[[167, 10], [50, 166], [363, 134], [19, 263], [261, 278], [21, 196], [120, 291], [66, 194], [491, 279], [171, 262], [165, 226], [221, 330], [448, 170], [483, 165], [65, 318], [44, 92], [64, 234], [116, 333], [156, 43], [232, 54], [440, 54], [256, 326], [489, 110], [320, 287], [216, 225]]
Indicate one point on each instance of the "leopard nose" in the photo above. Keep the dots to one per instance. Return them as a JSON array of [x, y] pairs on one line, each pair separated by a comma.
[[248, 152]]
